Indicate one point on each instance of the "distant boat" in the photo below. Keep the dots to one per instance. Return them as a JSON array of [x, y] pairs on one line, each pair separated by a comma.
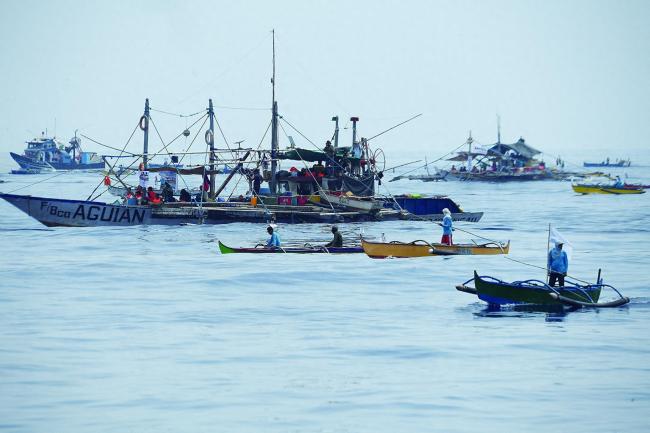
[[29, 166], [607, 163], [605, 189], [48, 151]]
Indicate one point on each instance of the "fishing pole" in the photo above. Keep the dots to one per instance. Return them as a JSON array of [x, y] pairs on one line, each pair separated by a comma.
[[393, 127]]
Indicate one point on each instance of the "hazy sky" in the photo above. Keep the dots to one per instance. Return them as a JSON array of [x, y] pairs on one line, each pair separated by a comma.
[[572, 77]]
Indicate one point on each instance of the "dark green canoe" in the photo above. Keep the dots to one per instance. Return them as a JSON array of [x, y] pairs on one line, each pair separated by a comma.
[[260, 249]]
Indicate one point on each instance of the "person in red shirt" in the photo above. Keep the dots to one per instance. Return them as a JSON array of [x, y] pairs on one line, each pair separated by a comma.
[[151, 196]]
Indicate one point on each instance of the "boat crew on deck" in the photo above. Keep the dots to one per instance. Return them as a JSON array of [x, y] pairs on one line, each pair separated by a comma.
[[274, 241], [558, 265], [337, 241], [447, 227]]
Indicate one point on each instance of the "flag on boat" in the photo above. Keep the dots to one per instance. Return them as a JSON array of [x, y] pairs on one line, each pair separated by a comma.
[[480, 149], [556, 237]]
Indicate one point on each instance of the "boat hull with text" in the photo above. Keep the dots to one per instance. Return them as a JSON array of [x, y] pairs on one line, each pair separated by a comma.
[[54, 212]]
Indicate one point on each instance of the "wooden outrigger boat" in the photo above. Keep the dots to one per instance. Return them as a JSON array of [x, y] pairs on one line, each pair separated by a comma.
[[420, 248], [307, 249], [604, 189], [537, 293]]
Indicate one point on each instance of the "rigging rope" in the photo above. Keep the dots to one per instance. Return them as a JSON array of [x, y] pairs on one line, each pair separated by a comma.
[[40, 181], [318, 186], [122, 151], [176, 114], [540, 267], [436, 160]]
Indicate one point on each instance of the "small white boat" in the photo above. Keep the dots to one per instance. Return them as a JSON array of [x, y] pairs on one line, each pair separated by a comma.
[[367, 204]]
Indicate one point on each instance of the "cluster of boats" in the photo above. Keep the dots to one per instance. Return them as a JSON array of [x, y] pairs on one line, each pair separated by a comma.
[[333, 184], [529, 294]]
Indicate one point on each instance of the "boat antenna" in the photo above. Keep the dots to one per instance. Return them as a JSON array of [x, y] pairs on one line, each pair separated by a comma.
[[274, 127], [210, 137]]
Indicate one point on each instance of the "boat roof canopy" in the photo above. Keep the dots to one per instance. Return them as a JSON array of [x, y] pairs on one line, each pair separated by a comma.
[[519, 147]]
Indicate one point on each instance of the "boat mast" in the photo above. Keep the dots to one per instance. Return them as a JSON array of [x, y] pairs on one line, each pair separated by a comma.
[[470, 140], [498, 129], [212, 155], [145, 128], [336, 131], [274, 128]]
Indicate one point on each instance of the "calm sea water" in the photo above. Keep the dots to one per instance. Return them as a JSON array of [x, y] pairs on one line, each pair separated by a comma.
[[150, 329]]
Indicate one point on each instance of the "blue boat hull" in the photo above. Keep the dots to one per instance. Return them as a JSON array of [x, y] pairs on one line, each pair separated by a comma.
[[31, 164]]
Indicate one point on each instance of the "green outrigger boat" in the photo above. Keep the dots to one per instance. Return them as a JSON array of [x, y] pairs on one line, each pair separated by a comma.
[[307, 249], [537, 293]]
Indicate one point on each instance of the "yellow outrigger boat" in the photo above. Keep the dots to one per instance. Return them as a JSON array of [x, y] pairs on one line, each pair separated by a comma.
[[419, 248], [603, 189]]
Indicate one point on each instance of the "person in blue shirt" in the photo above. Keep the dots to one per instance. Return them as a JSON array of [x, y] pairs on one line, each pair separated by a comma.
[[447, 227], [274, 241], [558, 265], [618, 183]]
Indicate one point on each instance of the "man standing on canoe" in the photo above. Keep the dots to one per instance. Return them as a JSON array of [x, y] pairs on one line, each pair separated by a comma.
[[274, 241], [447, 227], [337, 241], [558, 265]]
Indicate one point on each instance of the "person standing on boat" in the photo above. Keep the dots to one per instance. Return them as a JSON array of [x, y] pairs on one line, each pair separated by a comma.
[[274, 241], [337, 241], [558, 265], [257, 182], [447, 227]]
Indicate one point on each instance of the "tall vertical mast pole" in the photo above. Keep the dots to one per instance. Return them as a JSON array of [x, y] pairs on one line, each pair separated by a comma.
[[212, 155], [336, 131], [274, 129], [498, 129], [145, 128]]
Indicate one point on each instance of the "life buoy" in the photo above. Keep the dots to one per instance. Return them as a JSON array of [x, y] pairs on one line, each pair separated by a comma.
[[144, 123], [209, 137]]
